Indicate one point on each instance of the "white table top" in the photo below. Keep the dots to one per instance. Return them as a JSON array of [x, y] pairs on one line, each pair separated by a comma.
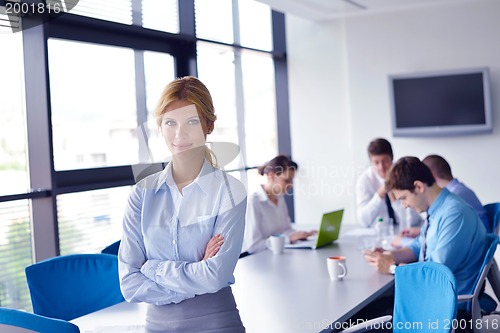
[[292, 292], [119, 318], [276, 293]]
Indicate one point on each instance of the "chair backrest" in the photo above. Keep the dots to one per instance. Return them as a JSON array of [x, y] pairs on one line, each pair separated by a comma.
[[425, 294], [493, 212], [67, 287], [112, 248], [491, 246], [16, 321]]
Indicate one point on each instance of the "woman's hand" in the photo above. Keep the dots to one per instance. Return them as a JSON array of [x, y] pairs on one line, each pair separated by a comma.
[[295, 236], [213, 246]]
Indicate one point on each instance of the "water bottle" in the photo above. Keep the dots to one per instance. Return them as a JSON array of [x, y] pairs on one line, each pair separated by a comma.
[[380, 232]]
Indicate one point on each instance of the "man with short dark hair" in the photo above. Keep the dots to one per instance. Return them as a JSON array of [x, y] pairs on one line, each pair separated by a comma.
[[452, 235], [373, 201]]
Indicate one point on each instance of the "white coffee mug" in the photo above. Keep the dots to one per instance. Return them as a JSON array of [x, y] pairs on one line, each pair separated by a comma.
[[277, 243], [337, 268]]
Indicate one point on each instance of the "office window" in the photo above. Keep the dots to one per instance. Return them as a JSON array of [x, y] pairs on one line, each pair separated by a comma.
[[253, 179], [160, 15], [111, 10], [216, 68], [217, 71], [15, 219], [214, 20], [260, 107], [15, 253], [94, 114], [8, 23], [13, 170], [89, 221], [255, 25], [159, 70]]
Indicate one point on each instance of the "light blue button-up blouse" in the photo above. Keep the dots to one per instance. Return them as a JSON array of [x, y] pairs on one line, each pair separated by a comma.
[[165, 234]]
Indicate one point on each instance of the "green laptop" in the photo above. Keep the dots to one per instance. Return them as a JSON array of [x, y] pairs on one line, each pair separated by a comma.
[[328, 232]]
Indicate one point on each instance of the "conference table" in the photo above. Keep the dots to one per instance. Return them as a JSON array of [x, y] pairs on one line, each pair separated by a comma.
[[289, 292]]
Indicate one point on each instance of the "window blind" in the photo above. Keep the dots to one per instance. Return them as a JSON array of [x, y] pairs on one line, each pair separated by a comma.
[[15, 253], [9, 21], [119, 11]]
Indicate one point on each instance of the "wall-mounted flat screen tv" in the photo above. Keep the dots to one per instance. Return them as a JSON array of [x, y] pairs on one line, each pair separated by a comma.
[[452, 102]]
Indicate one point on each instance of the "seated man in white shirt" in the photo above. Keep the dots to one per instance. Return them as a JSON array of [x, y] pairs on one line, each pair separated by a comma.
[[371, 197]]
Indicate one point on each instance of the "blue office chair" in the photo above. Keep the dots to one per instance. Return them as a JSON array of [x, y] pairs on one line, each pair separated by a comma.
[[71, 286], [425, 294], [112, 248], [475, 305], [493, 212], [12, 320]]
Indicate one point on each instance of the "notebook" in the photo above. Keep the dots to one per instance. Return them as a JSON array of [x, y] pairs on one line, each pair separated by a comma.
[[328, 232]]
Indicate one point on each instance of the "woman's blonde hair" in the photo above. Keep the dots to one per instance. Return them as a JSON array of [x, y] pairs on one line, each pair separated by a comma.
[[191, 89]]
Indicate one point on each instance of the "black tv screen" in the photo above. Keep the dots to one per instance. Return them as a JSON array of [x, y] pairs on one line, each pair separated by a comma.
[[441, 103]]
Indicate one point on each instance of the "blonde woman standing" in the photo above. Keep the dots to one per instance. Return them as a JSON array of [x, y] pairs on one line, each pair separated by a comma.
[[183, 227]]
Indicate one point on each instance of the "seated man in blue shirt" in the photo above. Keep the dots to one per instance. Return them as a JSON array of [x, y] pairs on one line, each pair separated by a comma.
[[441, 171], [451, 224]]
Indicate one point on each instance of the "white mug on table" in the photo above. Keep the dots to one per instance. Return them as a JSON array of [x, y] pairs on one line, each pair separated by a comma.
[[337, 268], [277, 243]]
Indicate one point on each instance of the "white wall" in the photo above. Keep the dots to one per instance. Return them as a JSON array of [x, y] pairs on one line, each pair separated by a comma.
[[339, 96]]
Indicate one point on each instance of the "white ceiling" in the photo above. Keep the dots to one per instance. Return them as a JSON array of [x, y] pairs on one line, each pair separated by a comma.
[[323, 10]]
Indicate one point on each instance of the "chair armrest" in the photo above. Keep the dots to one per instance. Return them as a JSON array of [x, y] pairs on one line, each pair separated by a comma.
[[368, 325], [464, 298]]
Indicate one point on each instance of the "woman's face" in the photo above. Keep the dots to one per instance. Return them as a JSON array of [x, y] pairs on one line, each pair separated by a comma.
[[283, 182], [182, 129]]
